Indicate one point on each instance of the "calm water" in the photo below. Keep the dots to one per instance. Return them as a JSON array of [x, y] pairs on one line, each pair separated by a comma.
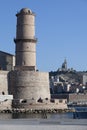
[[35, 116]]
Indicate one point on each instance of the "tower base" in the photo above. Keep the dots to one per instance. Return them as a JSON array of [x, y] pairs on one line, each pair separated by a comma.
[[28, 87]]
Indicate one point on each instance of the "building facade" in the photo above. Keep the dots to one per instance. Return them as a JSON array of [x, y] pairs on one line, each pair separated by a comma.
[[7, 61]]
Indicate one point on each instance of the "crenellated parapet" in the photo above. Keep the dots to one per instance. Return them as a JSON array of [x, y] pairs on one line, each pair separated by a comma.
[[25, 11]]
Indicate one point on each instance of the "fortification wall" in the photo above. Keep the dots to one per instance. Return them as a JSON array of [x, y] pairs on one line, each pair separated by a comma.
[[3, 82], [77, 97], [41, 106], [29, 85], [74, 97], [6, 102]]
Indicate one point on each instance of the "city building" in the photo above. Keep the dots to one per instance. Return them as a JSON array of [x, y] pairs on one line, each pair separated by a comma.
[[7, 61], [85, 79], [64, 67]]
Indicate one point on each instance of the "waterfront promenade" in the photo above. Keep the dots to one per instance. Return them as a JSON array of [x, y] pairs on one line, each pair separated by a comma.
[[43, 124]]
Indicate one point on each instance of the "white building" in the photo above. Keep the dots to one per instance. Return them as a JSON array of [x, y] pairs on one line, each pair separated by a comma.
[[85, 79]]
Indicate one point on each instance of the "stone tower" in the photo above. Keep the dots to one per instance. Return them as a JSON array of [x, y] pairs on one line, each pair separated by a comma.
[[64, 65], [25, 40], [25, 83]]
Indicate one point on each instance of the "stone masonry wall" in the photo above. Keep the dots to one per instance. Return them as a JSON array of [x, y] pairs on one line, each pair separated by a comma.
[[29, 85], [77, 97], [3, 82]]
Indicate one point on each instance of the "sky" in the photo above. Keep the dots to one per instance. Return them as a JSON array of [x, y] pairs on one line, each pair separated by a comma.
[[61, 29]]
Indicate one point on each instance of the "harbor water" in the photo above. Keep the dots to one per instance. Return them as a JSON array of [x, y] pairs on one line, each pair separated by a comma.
[[61, 115], [54, 121]]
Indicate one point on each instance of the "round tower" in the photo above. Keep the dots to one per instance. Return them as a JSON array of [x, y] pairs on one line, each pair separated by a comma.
[[25, 40], [26, 84]]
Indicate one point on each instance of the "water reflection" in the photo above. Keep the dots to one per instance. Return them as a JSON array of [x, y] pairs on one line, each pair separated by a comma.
[[29, 115], [5, 116], [35, 116], [42, 115]]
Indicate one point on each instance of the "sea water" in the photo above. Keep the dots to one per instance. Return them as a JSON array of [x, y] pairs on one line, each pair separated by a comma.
[[65, 115], [55, 121]]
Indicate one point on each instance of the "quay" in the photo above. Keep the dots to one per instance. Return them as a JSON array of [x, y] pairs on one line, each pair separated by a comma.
[[36, 111], [42, 124]]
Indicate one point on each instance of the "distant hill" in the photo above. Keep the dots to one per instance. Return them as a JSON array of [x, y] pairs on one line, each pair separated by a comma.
[[68, 76]]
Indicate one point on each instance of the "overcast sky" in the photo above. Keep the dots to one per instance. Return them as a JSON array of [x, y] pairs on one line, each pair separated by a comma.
[[61, 29]]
